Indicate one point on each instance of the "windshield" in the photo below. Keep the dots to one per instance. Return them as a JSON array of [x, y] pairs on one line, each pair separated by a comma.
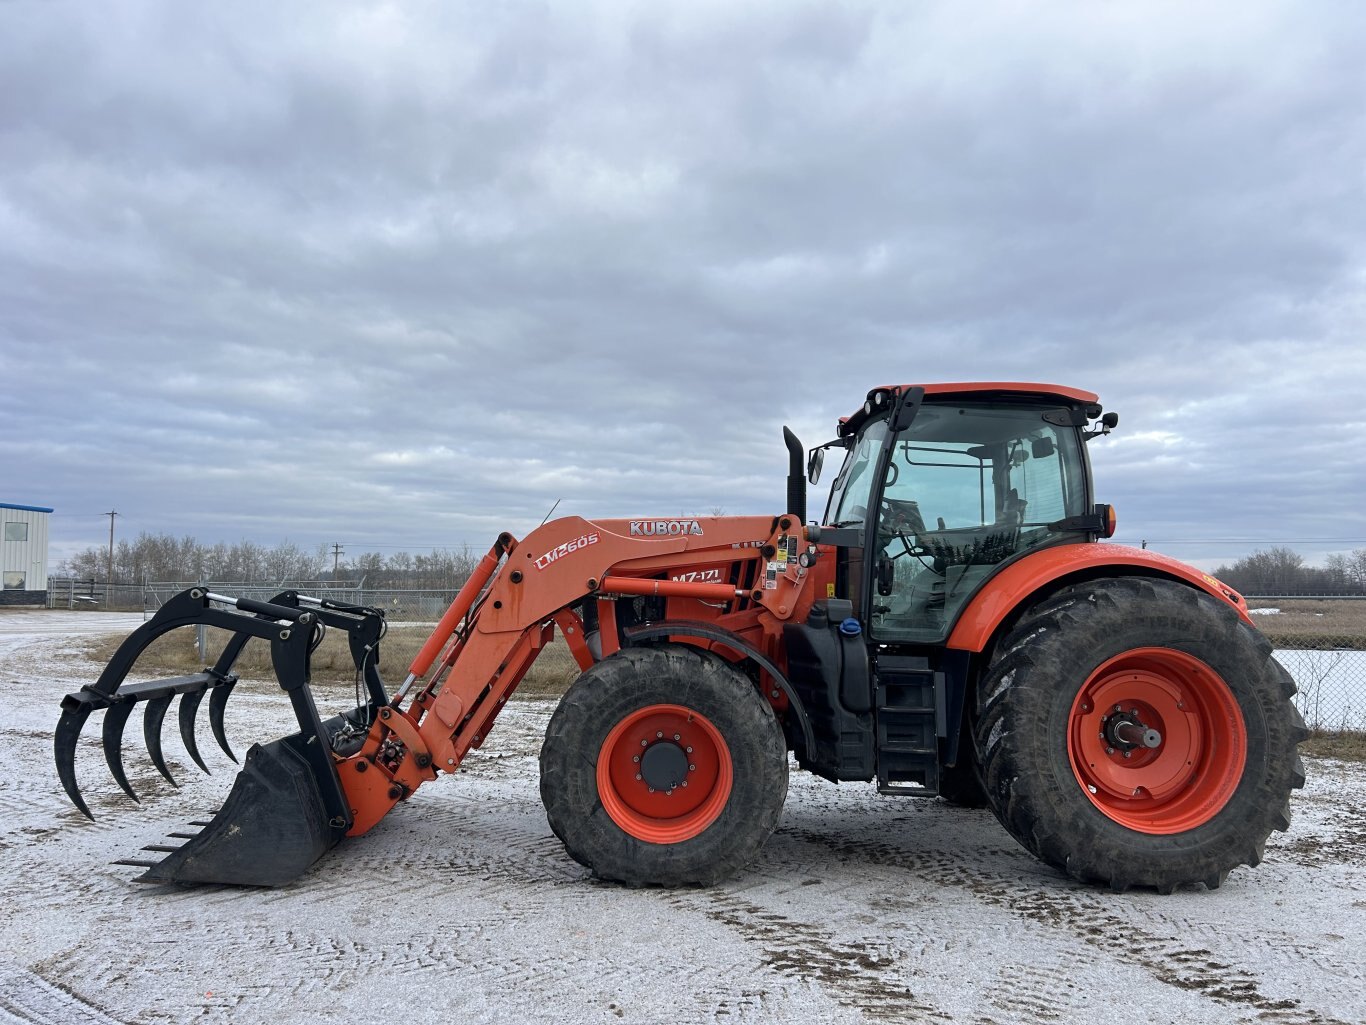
[[849, 494], [967, 487]]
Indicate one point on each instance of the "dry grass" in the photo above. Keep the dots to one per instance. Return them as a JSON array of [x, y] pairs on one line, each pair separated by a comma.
[[1350, 747], [1306, 623], [175, 653]]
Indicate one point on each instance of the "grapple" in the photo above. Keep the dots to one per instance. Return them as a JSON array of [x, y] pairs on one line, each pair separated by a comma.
[[287, 807]]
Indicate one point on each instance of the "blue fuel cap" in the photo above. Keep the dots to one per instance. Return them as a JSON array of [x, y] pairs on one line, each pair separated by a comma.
[[851, 627]]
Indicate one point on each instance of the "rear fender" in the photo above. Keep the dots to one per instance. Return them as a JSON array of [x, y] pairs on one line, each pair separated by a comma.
[[1004, 593]]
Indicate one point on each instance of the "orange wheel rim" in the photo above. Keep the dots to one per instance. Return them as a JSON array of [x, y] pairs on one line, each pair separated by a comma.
[[1188, 777], [664, 774]]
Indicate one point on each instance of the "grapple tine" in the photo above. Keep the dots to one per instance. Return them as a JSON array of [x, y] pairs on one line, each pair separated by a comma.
[[151, 733], [64, 747], [189, 707], [218, 701], [112, 736]]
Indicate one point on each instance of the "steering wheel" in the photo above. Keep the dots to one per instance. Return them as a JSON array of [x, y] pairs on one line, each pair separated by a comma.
[[900, 519], [901, 516]]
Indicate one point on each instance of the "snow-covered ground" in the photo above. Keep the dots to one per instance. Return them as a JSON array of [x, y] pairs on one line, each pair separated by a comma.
[[462, 905]]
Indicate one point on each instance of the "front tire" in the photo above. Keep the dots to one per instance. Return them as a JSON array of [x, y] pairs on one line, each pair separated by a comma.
[[1158, 663], [663, 766]]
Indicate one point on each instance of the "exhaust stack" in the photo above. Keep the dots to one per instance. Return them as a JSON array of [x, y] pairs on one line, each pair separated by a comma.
[[796, 476]]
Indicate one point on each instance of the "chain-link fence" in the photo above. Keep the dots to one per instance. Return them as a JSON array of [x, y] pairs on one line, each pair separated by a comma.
[[1320, 641]]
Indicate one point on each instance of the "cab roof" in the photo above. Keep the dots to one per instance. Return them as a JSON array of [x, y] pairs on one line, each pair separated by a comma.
[[987, 389], [983, 390]]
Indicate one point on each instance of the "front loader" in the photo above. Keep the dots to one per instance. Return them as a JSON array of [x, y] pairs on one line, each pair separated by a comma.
[[951, 626]]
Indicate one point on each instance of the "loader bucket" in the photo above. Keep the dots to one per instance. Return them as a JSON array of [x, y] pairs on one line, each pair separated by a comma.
[[287, 806], [271, 828]]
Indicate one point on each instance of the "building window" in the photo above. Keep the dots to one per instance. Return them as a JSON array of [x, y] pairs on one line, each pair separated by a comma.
[[14, 580], [16, 532]]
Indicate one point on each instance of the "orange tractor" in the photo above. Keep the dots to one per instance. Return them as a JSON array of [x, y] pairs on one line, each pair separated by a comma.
[[951, 627]]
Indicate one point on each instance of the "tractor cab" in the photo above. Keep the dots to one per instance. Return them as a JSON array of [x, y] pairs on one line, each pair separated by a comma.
[[943, 485]]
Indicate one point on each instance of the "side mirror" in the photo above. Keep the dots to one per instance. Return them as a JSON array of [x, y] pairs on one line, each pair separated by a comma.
[[1041, 448], [814, 463]]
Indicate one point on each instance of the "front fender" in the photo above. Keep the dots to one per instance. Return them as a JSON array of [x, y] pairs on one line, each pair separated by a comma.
[[1004, 592]]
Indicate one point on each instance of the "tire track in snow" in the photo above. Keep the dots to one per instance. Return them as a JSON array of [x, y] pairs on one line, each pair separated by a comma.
[[856, 976], [1081, 913], [31, 1000]]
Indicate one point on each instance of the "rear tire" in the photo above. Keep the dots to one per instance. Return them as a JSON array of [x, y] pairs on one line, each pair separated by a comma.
[[1203, 800], [640, 807]]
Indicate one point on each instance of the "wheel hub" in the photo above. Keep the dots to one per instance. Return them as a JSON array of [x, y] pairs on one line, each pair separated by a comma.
[[664, 765], [1126, 730]]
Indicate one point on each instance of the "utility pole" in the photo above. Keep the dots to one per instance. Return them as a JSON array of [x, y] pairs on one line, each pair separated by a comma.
[[109, 575], [336, 556]]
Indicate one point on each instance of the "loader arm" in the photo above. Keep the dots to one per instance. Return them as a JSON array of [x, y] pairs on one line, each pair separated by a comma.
[[506, 614]]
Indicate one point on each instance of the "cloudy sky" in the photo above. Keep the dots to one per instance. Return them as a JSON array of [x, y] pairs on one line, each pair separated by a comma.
[[399, 276]]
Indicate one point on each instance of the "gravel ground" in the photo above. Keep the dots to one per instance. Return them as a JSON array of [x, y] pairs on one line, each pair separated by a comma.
[[462, 904]]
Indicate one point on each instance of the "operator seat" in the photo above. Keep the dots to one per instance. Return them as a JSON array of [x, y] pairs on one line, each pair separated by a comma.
[[1012, 510]]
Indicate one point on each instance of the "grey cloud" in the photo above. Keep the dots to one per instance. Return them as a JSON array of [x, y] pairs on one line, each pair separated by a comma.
[[414, 273]]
